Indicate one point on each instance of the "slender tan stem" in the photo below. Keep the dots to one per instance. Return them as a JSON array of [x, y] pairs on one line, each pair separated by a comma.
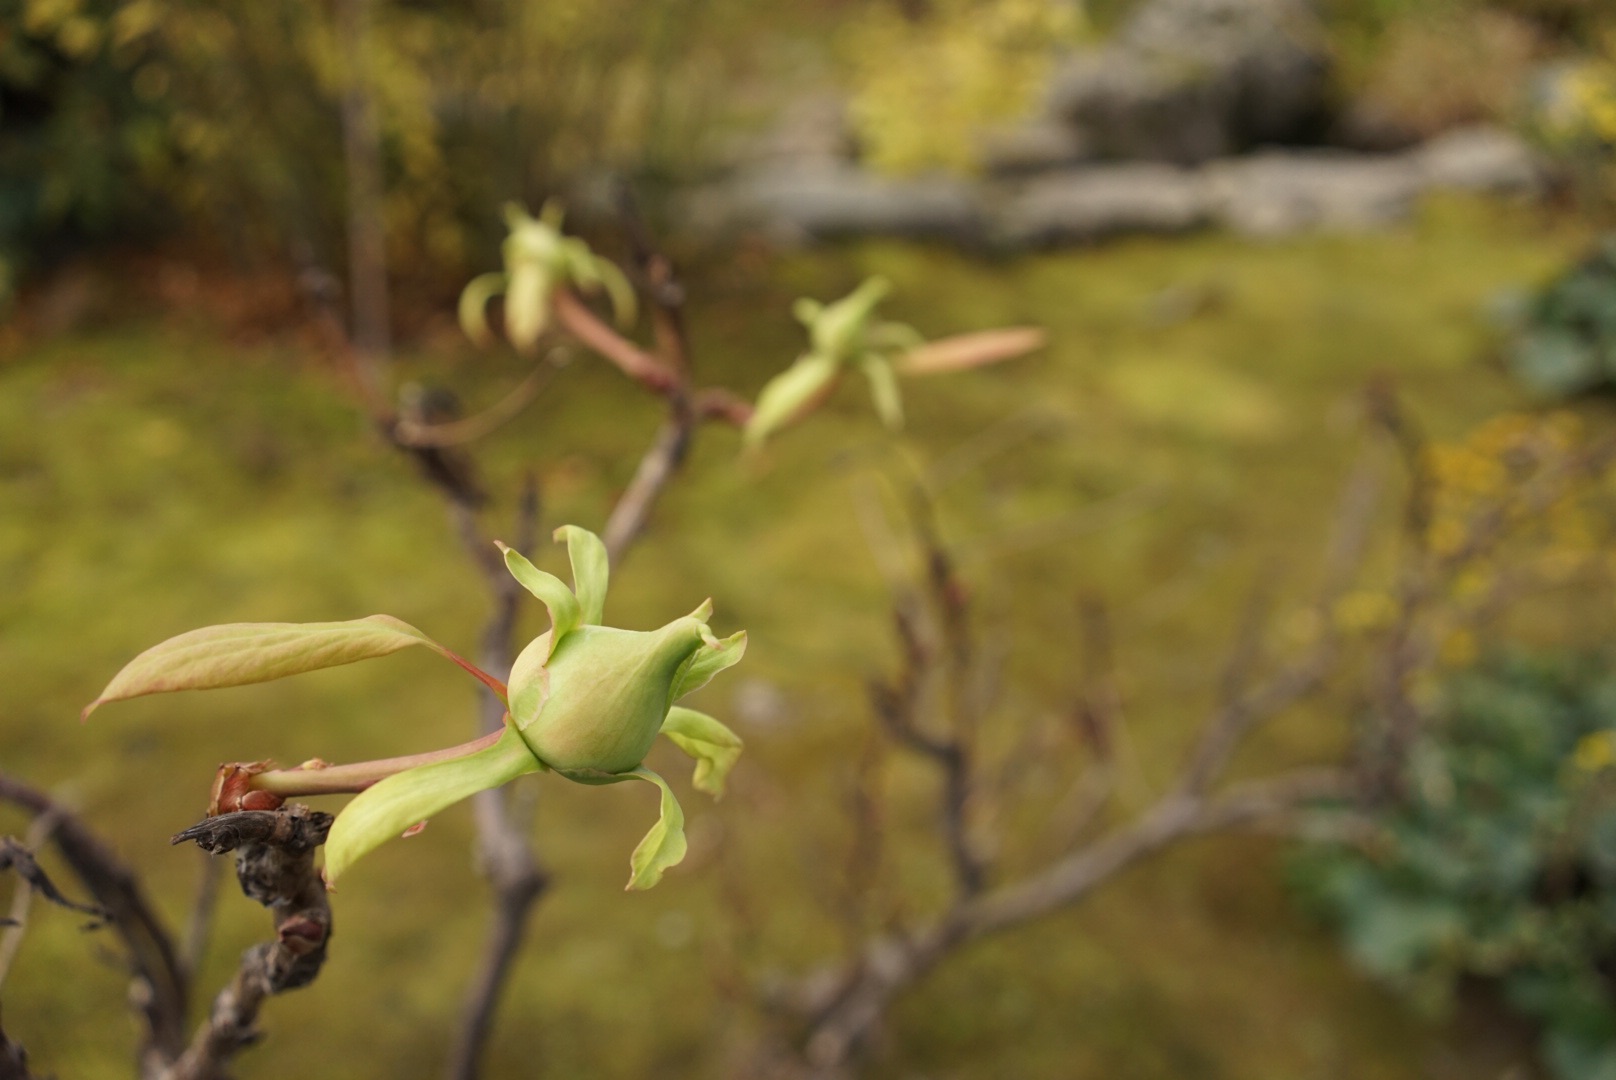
[[346, 779]]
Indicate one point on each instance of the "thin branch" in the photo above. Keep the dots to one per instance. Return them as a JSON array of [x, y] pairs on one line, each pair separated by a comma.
[[505, 855], [161, 990], [275, 866], [413, 434], [658, 466], [19, 859]]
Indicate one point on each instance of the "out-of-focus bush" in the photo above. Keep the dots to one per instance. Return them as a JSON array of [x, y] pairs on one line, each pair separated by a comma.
[[925, 86], [1500, 861], [1440, 68], [1566, 341], [1577, 118], [226, 113]]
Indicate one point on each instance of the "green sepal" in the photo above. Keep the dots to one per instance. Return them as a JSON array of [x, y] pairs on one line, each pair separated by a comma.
[[664, 845], [704, 663], [714, 746], [791, 393], [474, 305], [529, 682], [391, 806], [591, 571], [565, 613], [884, 389]]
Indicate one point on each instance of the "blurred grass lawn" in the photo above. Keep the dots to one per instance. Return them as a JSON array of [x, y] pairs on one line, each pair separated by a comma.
[[1188, 426]]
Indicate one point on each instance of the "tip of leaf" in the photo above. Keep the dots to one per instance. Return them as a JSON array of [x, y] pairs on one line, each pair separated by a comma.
[[504, 548], [84, 713], [704, 610]]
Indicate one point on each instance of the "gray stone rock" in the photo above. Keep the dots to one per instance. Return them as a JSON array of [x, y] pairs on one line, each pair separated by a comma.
[[794, 204], [1186, 81], [1277, 194], [1482, 158], [1037, 146], [1102, 201]]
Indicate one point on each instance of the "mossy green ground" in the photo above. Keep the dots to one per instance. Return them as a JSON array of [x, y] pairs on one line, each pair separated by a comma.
[[1187, 427]]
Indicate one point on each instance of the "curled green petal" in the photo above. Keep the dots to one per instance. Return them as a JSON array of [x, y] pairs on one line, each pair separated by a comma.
[[474, 306], [790, 394], [393, 805], [664, 845], [714, 746], [708, 661], [565, 613], [590, 571], [884, 389]]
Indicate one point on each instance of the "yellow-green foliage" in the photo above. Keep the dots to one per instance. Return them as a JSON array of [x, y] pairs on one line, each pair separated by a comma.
[[1582, 121], [230, 111], [925, 88]]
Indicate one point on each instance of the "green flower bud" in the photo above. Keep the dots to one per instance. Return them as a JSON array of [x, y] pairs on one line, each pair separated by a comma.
[[592, 709]]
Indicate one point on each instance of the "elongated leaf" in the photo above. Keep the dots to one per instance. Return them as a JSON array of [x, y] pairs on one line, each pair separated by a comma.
[[792, 394], [884, 389], [474, 306], [664, 845], [964, 351], [714, 746], [237, 654], [552, 593], [706, 662], [407, 799], [591, 571]]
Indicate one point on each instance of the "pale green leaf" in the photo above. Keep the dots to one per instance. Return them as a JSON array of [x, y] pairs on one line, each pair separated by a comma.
[[393, 805], [551, 591], [474, 306], [791, 394], [664, 845], [706, 662], [884, 389], [590, 571], [237, 654], [714, 746]]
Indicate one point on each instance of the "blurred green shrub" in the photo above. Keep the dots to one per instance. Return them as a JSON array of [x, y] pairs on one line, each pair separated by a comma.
[[1499, 862], [1566, 339], [924, 87], [226, 114]]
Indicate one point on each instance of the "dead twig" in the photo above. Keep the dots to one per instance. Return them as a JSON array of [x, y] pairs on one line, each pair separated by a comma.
[[275, 866], [161, 984]]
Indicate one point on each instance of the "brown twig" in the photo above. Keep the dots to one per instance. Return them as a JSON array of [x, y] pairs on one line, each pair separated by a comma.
[[161, 986], [275, 866], [504, 853]]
